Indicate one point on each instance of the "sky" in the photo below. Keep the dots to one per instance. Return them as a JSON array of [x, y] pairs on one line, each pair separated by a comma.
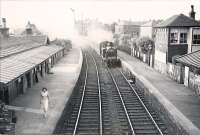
[[54, 17]]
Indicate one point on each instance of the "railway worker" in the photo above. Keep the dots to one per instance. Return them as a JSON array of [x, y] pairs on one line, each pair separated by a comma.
[[44, 101]]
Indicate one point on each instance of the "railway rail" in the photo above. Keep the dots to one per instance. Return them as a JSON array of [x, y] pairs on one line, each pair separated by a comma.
[[106, 103]]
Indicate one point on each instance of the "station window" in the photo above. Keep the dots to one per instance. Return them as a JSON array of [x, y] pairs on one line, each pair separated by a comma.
[[173, 37], [183, 37], [196, 39]]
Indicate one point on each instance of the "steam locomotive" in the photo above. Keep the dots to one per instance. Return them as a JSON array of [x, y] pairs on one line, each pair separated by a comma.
[[108, 52]]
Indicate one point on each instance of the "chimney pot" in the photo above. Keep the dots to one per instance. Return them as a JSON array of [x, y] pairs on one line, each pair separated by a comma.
[[192, 13], [4, 22]]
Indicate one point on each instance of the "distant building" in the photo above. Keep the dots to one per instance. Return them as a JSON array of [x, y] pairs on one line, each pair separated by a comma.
[[177, 35], [31, 29], [147, 29], [127, 27], [82, 27], [126, 31]]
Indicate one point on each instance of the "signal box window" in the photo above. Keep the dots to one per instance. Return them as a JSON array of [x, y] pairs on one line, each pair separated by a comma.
[[196, 39], [183, 37], [173, 37]]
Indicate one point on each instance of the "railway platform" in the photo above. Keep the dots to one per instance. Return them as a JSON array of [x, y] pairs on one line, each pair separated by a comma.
[[60, 84], [181, 103]]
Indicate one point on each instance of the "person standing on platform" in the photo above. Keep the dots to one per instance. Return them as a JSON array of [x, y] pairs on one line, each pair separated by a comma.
[[44, 101]]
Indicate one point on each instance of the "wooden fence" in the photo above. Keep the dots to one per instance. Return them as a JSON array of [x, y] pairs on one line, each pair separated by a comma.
[[175, 72], [194, 82]]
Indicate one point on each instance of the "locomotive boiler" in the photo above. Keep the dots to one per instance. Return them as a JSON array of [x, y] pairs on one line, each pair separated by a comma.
[[108, 52]]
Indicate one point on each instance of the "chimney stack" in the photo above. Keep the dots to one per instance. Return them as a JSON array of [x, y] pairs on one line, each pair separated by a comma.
[[192, 13], [29, 30], [4, 31], [4, 22]]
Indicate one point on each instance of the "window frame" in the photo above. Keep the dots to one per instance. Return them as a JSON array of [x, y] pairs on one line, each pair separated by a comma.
[[197, 39], [184, 38], [173, 39]]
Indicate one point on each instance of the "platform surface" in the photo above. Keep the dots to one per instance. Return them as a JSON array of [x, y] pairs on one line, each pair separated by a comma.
[[181, 101], [30, 119]]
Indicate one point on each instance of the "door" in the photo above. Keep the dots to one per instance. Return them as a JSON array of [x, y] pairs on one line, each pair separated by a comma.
[[186, 79]]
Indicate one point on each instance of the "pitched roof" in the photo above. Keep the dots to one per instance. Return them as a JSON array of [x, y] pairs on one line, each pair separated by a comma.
[[15, 65], [13, 45], [191, 59], [179, 21]]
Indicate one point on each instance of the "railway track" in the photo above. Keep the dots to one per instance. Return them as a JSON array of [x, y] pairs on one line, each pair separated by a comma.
[[106, 103], [85, 115], [142, 120]]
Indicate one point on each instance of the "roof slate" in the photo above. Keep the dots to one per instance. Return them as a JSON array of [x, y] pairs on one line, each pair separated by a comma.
[[191, 59], [14, 66], [180, 20], [13, 45]]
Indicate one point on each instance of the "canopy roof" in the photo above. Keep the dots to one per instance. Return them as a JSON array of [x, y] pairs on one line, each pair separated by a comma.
[[13, 45], [191, 59], [15, 65]]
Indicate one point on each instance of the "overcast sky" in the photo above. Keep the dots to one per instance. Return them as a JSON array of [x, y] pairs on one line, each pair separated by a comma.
[[55, 17]]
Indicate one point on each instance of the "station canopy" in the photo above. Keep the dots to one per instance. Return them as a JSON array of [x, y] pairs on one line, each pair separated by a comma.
[[13, 66], [13, 45], [190, 60]]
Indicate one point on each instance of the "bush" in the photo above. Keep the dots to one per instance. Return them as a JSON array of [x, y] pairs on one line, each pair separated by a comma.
[[143, 44]]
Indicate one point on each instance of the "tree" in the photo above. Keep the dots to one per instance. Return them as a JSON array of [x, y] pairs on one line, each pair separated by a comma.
[[145, 44]]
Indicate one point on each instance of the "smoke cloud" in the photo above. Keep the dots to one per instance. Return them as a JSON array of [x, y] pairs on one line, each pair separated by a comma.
[[95, 35]]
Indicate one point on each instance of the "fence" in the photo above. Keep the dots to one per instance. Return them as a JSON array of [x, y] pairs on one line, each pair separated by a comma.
[[175, 72], [194, 82]]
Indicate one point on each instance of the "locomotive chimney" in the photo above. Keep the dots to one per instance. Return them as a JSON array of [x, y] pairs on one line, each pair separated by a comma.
[[192, 13]]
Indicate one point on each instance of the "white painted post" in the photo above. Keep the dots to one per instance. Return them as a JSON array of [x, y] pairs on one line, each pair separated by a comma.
[[186, 79], [144, 58]]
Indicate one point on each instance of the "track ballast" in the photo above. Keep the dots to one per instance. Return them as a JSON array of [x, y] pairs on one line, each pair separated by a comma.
[[104, 102]]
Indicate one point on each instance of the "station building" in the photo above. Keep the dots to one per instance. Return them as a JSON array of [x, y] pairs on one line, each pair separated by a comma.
[[177, 49], [24, 61], [178, 35], [191, 65]]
